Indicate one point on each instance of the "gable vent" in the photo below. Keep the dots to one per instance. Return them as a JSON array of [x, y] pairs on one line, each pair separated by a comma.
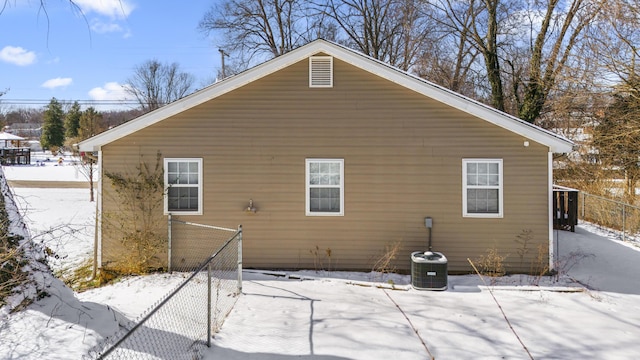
[[321, 71]]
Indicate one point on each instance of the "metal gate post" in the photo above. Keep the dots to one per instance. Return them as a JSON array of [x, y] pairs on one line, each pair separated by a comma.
[[239, 259], [624, 221], [169, 244], [209, 304]]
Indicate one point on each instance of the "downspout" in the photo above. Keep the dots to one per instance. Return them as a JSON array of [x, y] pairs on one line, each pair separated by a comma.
[[100, 184], [550, 209], [95, 246]]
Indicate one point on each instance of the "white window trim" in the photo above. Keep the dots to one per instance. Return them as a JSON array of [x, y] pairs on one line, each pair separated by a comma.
[[308, 187], [500, 212], [166, 184]]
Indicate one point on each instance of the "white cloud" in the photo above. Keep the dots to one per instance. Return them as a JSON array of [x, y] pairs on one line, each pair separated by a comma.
[[102, 28], [17, 55], [112, 94], [118, 9], [55, 60], [57, 82], [111, 91]]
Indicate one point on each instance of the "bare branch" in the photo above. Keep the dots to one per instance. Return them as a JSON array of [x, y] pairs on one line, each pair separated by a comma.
[[155, 84]]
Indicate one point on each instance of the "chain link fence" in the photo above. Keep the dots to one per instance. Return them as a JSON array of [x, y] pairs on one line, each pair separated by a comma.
[[611, 213], [180, 325]]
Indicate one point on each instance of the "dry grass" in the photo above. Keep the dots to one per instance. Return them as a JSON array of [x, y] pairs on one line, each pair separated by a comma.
[[12, 258], [384, 264], [11, 273], [81, 278], [611, 214], [539, 266], [604, 196], [491, 264], [320, 258]]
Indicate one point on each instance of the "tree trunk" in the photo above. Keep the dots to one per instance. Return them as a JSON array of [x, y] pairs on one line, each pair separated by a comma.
[[91, 185], [491, 56]]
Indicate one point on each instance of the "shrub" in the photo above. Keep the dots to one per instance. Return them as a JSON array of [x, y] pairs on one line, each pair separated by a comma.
[[138, 222], [11, 258], [491, 263], [384, 263]]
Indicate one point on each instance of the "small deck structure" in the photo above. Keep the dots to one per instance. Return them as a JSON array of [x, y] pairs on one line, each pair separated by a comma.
[[11, 153]]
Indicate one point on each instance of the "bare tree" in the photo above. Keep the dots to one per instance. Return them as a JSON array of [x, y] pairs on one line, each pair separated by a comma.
[[90, 123], [155, 84], [487, 43], [560, 32], [258, 28], [3, 121], [449, 57], [618, 140], [521, 57], [526, 47], [607, 86], [393, 31], [615, 40], [611, 87], [481, 23]]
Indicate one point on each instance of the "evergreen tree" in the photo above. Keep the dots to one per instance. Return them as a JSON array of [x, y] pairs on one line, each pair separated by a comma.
[[72, 121], [53, 126], [90, 123]]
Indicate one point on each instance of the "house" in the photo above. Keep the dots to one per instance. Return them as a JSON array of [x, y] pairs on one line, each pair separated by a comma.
[[26, 130], [342, 156]]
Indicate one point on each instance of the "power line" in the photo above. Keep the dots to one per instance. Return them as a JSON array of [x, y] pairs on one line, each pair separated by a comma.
[[33, 103], [81, 102]]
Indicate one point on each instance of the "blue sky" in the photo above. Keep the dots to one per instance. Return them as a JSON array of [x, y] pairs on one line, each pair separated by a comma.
[[76, 57]]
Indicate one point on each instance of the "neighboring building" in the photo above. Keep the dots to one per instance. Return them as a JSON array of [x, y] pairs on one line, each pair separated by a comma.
[[339, 151], [26, 130], [13, 150]]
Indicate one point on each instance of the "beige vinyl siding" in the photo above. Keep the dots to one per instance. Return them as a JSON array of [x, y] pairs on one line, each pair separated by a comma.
[[402, 162]]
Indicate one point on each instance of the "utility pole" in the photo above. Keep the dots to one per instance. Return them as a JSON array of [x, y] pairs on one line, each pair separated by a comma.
[[222, 55]]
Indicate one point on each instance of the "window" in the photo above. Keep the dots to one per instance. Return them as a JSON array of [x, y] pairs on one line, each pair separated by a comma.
[[325, 187], [183, 181], [321, 71], [482, 187]]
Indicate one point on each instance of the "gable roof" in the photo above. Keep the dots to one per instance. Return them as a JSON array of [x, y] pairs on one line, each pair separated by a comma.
[[555, 142], [8, 136]]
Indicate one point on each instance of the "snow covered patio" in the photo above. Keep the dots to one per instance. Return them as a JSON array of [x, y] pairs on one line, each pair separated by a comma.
[[279, 318], [332, 316]]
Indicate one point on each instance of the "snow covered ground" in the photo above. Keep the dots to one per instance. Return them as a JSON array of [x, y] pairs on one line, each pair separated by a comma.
[[592, 311]]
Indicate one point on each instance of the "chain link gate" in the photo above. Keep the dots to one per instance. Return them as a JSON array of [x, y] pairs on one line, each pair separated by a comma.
[[180, 325]]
